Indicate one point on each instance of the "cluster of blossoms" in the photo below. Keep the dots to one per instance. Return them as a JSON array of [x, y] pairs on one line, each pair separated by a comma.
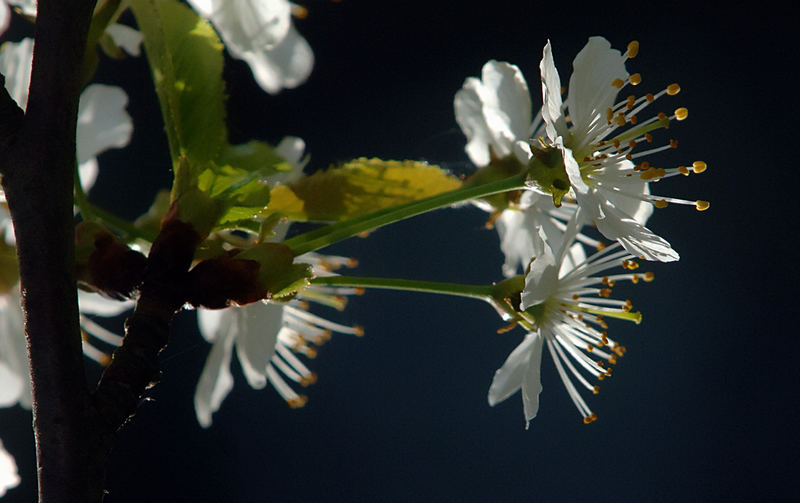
[[261, 33], [583, 157], [584, 161]]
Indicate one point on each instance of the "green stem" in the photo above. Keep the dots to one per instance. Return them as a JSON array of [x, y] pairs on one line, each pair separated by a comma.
[[89, 211], [480, 292], [329, 234]]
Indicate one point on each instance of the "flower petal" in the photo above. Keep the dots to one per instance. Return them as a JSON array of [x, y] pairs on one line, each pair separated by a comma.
[[258, 324], [633, 236], [590, 88], [127, 38], [216, 380], [532, 383], [15, 63], [8, 470], [510, 377], [284, 66], [92, 303], [554, 121], [469, 115], [103, 122]]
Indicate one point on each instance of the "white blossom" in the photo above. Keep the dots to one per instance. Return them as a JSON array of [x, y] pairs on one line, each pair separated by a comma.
[[597, 134], [564, 305]]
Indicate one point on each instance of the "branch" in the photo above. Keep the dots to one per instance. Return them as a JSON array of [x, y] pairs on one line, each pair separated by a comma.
[[38, 163]]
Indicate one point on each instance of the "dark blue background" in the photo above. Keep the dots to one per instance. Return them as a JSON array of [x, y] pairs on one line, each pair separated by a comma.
[[700, 409]]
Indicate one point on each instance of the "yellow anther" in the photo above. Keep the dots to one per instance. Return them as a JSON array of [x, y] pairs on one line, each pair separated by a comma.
[[683, 170], [631, 143], [590, 418], [612, 359], [620, 119], [507, 328], [310, 353], [351, 262], [673, 89], [604, 292], [631, 265], [652, 173], [681, 113], [604, 339], [635, 79], [609, 114], [633, 119], [698, 166], [104, 360], [660, 203], [662, 116], [575, 297], [649, 276], [648, 137], [600, 246], [297, 402], [358, 331], [322, 338], [299, 11], [359, 290], [618, 83], [589, 348], [702, 205], [635, 278], [673, 144], [596, 390], [308, 380], [649, 97], [631, 101], [633, 49]]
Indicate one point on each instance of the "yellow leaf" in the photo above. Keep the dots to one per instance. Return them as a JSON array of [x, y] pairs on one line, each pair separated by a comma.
[[359, 187]]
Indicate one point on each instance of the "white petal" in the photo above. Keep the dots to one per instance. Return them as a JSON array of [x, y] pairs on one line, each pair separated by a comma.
[[635, 207], [14, 352], [216, 380], [469, 115], [286, 65], [259, 324], [290, 148], [126, 37], [213, 322], [10, 386], [634, 237], [93, 303], [247, 25], [542, 279], [28, 7], [8, 471], [532, 382], [509, 378], [571, 166], [555, 123], [15, 63], [103, 122], [5, 17], [590, 89], [506, 105], [88, 170]]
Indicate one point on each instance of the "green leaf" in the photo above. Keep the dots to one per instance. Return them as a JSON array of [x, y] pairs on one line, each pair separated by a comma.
[[359, 187], [186, 60]]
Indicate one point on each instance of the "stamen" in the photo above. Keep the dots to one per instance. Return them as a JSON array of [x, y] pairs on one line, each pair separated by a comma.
[[633, 49], [681, 113]]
